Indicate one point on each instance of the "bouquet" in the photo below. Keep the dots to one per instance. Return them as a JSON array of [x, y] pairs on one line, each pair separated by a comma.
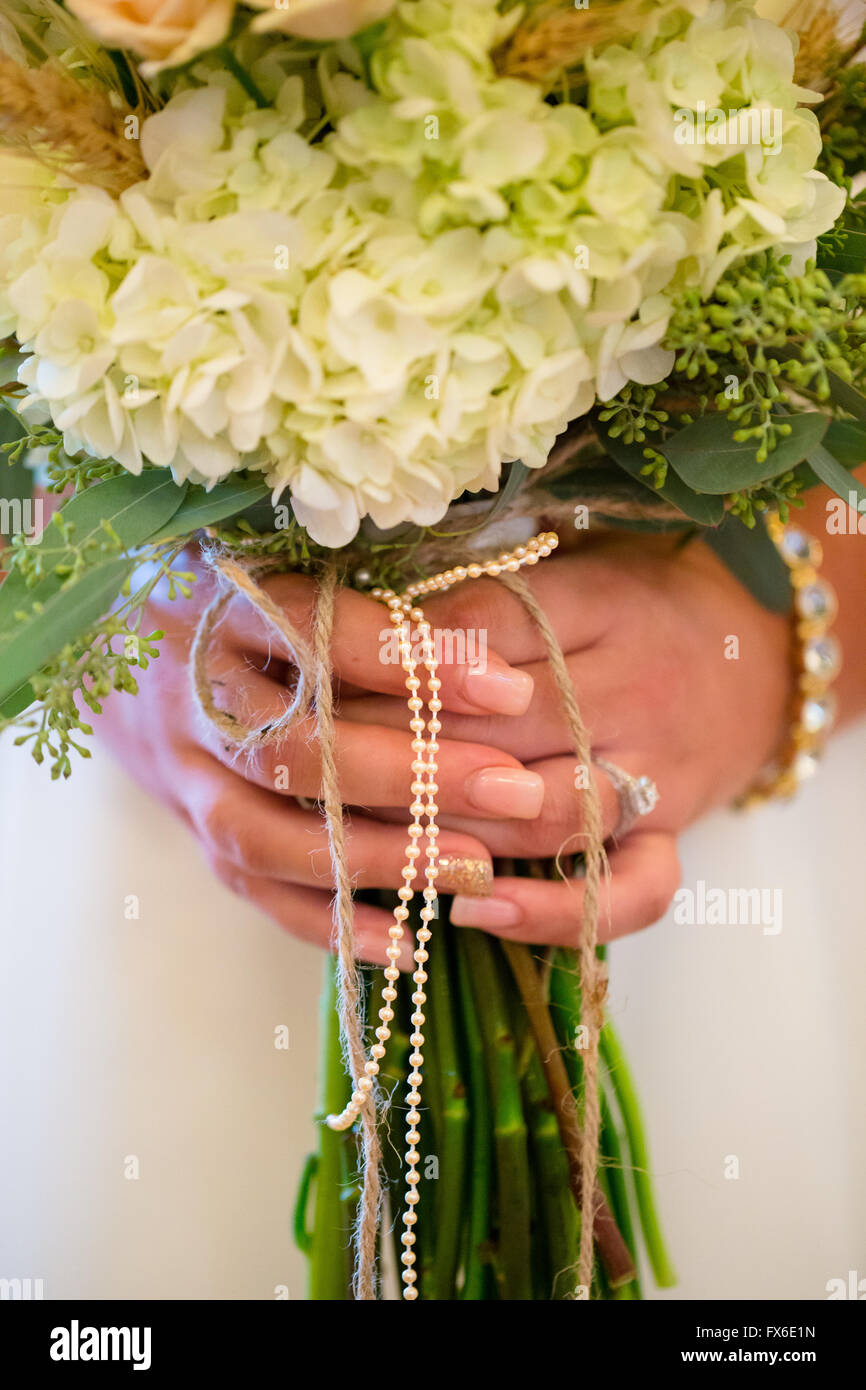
[[371, 291]]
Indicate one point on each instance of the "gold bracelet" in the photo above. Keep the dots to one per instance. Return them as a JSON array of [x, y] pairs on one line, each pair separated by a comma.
[[817, 660]]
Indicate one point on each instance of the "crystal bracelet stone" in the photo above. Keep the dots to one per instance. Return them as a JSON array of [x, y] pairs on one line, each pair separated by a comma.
[[817, 659]]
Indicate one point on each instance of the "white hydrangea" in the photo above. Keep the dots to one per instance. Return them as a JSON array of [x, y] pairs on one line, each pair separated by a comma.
[[377, 320]]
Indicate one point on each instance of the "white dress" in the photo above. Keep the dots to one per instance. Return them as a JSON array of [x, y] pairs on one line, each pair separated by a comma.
[[153, 1132]]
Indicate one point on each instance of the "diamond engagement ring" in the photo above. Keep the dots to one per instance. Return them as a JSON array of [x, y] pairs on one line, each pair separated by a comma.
[[637, 795]]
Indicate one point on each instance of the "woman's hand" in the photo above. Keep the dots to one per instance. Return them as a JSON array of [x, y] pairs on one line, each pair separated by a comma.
[[243, 810], [680, 675]]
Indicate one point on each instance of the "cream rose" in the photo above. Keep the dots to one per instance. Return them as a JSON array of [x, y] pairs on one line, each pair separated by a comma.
[[320, 19], [166, 32]]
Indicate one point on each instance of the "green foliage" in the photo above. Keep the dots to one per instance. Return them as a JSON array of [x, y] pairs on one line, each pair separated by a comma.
[[752, 557], [761, 335], [843, 153], [763, 344], [706, 509], [201, 507], [55, 642], [85, 671], [634, 414], [16, 479], [831, 472], [710, 454], [843, 251], [62, 471]]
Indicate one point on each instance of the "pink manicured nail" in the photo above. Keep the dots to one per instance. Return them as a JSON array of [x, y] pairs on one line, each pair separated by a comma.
[[506, 791], [499, 689], [485, 912]]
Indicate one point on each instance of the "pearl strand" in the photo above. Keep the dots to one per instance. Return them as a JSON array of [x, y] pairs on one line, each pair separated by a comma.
[[400, 612], [403, 612], [419, 977]]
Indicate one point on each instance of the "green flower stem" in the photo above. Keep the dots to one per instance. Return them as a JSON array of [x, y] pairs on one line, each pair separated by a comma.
[[453, 1127], [509, 1128], [303, 1238], [629, 1107], [617, 1187], [229, 60], [564, 990], [330, 1270], [565, 1010], [477, 1270], [612, 1249], [557, 1213]]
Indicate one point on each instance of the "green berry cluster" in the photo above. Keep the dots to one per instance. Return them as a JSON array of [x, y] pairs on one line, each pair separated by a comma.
[[86, 671], [762, 335], [83, 673], [60, 554], [635, 415], [843, 153]]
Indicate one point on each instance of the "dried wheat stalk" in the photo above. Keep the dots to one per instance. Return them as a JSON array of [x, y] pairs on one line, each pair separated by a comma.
[[825, 34], [52, 116], [553, 38]]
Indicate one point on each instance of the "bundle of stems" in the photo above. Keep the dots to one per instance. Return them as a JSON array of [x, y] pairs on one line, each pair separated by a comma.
[[500, 1209]]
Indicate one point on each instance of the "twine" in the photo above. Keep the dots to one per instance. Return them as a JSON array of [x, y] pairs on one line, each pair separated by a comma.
[[349, 996], [240, 579], [314, 692], [593, 981]]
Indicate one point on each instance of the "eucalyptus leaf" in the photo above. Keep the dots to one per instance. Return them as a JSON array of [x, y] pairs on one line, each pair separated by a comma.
[[831, 472], [135, 507], [202, 508], [38, 620], [707, 457], [16, 485], [842, 250], [18, 701], [752, 557], [846, 441], [847, 396], [16, 479], [64, 616], [706, 510]]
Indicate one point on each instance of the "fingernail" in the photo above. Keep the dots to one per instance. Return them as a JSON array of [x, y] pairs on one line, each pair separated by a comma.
[[485, 912], [456, 874], [506, 791], [499, 689]]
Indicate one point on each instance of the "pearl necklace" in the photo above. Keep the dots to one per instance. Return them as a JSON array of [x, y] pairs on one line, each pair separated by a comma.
[[404, 612]]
